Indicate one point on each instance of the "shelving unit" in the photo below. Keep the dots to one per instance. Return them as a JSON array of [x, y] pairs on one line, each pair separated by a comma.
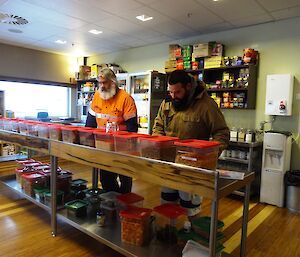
[[251, 164], [189, 179]]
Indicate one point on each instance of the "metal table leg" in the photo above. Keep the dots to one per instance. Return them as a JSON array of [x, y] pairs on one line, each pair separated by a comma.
[[245, 221], [53, 161], [95, 177]]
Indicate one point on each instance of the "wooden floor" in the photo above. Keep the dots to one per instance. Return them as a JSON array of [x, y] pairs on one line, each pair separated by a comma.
[[25, 228]]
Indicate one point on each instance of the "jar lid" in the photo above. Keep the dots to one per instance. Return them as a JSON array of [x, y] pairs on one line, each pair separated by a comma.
[[136, 213], [160, 139], [130, 198], [197, 143], [170, 210]]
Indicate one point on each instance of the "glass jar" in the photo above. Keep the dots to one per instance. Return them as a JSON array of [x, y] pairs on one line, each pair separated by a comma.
[[233, 134], [241, 135]]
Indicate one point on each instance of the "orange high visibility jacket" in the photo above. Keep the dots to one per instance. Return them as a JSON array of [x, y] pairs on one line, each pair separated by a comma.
[[119, 108]]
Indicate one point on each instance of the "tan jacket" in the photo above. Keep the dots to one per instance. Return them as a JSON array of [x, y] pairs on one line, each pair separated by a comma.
[[201, 120]]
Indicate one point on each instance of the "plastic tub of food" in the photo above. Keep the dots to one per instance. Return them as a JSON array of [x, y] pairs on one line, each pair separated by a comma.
[[130, 199], [23, 127], [103, 140], [32, 128], [55, 132], [135, 225], [197, 153], [70, 134], [59, 198], [93, 198], [202, 226], [126, 143], [86, 136], [166, 226], [39, 193], [158, 147], [110, 198], [33, 180], [14, 124], [77, 208], [43, 130], [63, 183], [27, 167]]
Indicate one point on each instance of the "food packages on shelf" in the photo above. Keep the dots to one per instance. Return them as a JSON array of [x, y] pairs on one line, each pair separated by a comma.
[[174, 52], [158, 147], [197, 153], [135, 225], [213, 62], [250, 55]]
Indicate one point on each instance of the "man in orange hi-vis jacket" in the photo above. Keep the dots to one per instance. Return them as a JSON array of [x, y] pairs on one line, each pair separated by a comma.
[[112, 104]]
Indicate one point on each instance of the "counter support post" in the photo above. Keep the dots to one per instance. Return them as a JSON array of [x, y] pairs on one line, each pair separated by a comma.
[[245, 220], [95, 177], [53, 161]]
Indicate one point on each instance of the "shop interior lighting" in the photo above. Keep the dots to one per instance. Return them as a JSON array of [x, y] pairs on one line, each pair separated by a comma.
[[144, 17], [96, 32], [61, 42]]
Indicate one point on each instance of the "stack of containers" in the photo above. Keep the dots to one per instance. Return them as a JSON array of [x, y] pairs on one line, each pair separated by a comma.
[[109, 204], [135, 225], [70, 134], [158, 147], [77, 207], [25, 166], [166, 225], [197, 153], [55, 132], [33, 180]]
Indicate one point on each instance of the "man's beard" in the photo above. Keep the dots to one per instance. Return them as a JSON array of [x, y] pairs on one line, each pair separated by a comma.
[[105, 95], [180, 104]]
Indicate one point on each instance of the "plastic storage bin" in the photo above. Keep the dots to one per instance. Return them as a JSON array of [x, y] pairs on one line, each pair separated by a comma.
[[158, 147], [104, 141], [32, 128], [64, 180], [130, 199], [55, 132], [166, 226], [135, 225], [93, 198], [43, 130], [39, 193], [59, 198], [31, 181], [77, 208], [70, 134], [197, 153], [126, 142], [79, 184], [86, 136]]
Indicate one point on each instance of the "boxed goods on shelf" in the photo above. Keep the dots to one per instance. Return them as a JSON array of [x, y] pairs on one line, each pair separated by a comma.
[[135, 225], [103, 140], [174, 52], [166, 216], [202, 50], [130, 199], [55, 132], [95, 70], [158, 147], [213, 62], [59, 198], [77, 208], [84, 72], [70, 134], [86, 136], [197, 153], [32, 180]]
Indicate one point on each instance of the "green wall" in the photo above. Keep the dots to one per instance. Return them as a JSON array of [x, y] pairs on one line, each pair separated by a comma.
[[278, 44]]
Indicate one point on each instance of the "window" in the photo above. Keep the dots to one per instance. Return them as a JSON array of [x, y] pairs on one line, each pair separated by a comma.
[[26, 99]]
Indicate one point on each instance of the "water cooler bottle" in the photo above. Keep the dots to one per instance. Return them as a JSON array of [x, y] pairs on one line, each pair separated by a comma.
[[276, 161]]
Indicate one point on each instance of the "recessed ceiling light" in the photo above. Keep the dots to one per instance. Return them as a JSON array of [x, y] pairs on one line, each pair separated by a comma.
[[12, 19], [15, 30], [144, 17], [59, 41], [96, 32], [215, 0]]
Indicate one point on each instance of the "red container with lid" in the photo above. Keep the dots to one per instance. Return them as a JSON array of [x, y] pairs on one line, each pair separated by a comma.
[[130, 199], [158, 147], [55, 132], [32, 128], [70, 134], [43, 130], [86, 136], [166, 225], [126, 143], [197, 153], [103, 140], [135, 225], [33, 180], [23, 127]]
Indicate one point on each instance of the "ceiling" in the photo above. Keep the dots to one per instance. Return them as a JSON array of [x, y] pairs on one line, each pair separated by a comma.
[[70, 21]]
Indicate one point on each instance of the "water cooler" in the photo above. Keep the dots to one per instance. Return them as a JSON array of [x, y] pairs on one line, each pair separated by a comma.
[[276, 161]]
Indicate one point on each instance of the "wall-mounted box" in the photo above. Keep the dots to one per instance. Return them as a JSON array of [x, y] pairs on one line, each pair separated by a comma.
[[279, 94]]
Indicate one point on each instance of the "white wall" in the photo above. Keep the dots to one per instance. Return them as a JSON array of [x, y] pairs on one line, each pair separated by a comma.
[[278, 44]]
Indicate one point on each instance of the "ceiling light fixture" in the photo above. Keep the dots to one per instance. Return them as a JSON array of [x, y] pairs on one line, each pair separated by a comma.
[[96, 32], [144, 17], [59, 41], [12, 19], [15, 30], [215, 0]]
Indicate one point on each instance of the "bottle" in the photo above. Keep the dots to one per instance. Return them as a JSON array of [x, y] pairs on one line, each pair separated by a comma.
[[241, 137], [111, 126], [100, 218], [233, 134]]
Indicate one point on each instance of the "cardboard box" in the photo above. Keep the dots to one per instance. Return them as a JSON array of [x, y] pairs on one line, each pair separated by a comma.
[[202, 50], [213, 62], [174, 52], [95, 70], [84, 72]]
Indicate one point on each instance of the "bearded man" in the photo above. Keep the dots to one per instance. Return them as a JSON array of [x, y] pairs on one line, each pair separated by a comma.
[[112, 104], [189, 113]]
